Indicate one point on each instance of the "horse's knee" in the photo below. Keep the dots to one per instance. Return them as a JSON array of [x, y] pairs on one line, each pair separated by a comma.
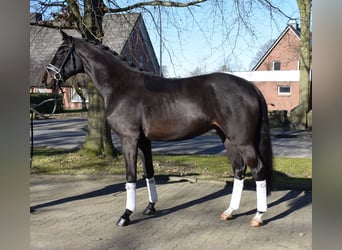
[[251, 158]]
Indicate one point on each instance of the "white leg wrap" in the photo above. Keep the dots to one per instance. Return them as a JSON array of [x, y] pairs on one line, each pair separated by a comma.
[[258, 216], [130, 196], [236, 195], [261, 196], [152, 191]]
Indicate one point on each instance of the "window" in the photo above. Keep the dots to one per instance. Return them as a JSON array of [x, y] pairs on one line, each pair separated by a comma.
[[76, 98], [276, 65], [40, 90], [142, 62], [284, 90]]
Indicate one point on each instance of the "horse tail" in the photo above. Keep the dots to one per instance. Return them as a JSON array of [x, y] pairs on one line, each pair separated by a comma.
[[265, 147]]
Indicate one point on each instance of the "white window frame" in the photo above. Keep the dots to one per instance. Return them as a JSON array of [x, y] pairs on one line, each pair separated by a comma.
[[274, 62], [76, 98], [41, 90], [284, 93]]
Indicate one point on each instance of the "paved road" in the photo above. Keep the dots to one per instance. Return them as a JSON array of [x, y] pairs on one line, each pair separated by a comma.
[[70, 133], [79, 212]]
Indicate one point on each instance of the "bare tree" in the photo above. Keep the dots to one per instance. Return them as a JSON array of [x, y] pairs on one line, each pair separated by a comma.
[[198, 71], [86, 16], [301, 115], [261, 52]]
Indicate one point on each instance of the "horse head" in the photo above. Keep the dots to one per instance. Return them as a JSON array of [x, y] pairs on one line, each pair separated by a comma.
[[64, 64]]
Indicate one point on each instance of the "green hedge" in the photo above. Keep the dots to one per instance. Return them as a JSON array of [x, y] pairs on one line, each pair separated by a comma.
[[47, 107], [279, 119]]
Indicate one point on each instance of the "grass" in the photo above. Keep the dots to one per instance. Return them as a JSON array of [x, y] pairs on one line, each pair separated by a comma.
[[290, 173]]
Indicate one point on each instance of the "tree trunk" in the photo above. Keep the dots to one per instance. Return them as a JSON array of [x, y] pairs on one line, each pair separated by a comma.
[[299, 116], [98, 140]]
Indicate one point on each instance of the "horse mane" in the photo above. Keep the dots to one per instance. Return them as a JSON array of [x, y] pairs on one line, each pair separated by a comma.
[[117, 55]]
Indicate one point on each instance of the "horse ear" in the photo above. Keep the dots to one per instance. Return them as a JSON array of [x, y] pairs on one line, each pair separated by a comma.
[[65, 36]]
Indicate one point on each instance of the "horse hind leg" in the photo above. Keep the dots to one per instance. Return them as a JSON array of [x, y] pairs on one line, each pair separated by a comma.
[[258, 171], [239, 169], [145, 146]]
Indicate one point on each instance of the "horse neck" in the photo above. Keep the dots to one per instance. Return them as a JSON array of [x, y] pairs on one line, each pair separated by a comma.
[[104, 68]]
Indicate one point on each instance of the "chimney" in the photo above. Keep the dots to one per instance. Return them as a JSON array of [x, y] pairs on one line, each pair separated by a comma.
[[35, 17], [293, 23]]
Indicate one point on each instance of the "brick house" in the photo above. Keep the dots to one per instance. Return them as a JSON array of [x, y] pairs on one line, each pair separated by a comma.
[[124, 33], [276, 74]]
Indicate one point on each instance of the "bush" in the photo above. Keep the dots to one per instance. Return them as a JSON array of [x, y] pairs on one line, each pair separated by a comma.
[[279, 119], [47, 107]]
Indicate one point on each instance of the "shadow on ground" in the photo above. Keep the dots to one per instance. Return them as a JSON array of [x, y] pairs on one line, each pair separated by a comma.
[[293, 197]]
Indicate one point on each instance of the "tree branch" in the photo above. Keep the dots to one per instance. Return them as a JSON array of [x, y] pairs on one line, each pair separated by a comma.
[[53, 25], [154, 3], [270, 5], [74, 9], [51, 4]]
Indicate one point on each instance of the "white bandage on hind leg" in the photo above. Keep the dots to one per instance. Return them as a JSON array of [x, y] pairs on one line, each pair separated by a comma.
[[261, 196], [130, 196], [258, 216], [152, 191], [236, 195]]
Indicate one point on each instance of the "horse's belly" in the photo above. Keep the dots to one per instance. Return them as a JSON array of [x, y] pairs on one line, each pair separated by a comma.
[[180, 129]]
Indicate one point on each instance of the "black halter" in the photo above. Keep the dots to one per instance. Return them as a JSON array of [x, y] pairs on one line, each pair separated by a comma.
[[56, 72]]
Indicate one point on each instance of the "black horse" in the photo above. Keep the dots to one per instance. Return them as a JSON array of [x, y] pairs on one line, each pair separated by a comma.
[[142, 107]]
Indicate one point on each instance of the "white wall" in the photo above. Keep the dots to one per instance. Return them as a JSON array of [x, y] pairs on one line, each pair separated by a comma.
[[269, 76]]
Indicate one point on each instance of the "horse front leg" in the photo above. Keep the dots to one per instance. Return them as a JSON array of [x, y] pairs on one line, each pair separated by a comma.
[[145, 146], [129, 150]]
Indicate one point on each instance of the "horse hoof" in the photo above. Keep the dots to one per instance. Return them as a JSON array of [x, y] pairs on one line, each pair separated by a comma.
[[122, 222], [226, 216], [149, 211], [256, 223]]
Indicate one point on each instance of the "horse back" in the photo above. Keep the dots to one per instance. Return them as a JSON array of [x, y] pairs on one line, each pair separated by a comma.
[[174, 109]]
